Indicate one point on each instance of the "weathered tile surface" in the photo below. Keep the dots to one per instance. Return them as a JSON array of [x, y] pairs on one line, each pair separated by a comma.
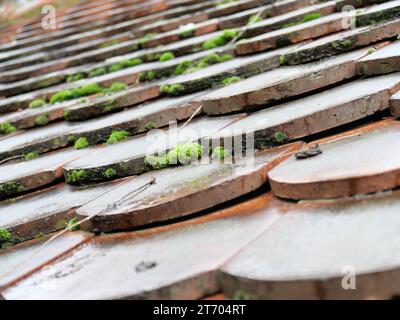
[[315, 248], [19, 262], [197, 187], [172, 272], [362, 163], [280, 83], [47, 210], [385, 60]]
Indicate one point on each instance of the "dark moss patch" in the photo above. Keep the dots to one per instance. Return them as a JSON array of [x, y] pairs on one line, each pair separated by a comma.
[[76, 77], [72, 225], [77, 176], [110, 173]]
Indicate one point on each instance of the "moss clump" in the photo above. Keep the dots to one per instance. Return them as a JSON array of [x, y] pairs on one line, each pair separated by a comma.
[[38, 103], [182, 67], [124, 65], [371, 50], [254, 19], [70, 94], [11, 187], [143, 41], [5, 235], [97, 72], [31, 155], [150, 126], [7, 239], [282, 60], [72, 225], [280, 137], [117, 87], [221, 40], [231, 80], [7, 128], [220, 153], [182, 154], [81, 143], [84, 100], [77, 176], [42, 120], [306, 18], [71, 139], [187, 66], [110, 173], [166, 56], [117, 136], [76, 77], [110, 43], [173, 89], [186, 34]]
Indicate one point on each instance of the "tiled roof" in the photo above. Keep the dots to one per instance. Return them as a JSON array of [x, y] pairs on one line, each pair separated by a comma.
[[241, 149]]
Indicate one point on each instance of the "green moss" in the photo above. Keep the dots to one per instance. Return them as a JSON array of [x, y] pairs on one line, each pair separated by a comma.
[[143, 41], [110, 43], [86, 90], [182, 154], [280, 137], [240, 295], [81, 143], [5, 235], [166, 56], [40, 235], [306, 18], [7, 128], [150, 126], [84, 100], [38, 103], [371, 50], [182, 67], [254, 19], [72, 225], [125, 64], [220, 153], [282, 60], [76, 77], [11, 187], [225, 2], [117, 87], [31, 155], [186, 34], [71, 139], [221, 40], [230, 80], [173, 89], [110, 173], [156, 162], [42, 120], [77, 176], [97, 72], [117, 136]]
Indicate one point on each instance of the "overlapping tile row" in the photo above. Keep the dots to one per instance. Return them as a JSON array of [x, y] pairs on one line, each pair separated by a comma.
[[284, 71]]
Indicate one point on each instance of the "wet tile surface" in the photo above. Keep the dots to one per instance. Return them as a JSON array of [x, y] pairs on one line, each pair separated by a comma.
[[317, 101]]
